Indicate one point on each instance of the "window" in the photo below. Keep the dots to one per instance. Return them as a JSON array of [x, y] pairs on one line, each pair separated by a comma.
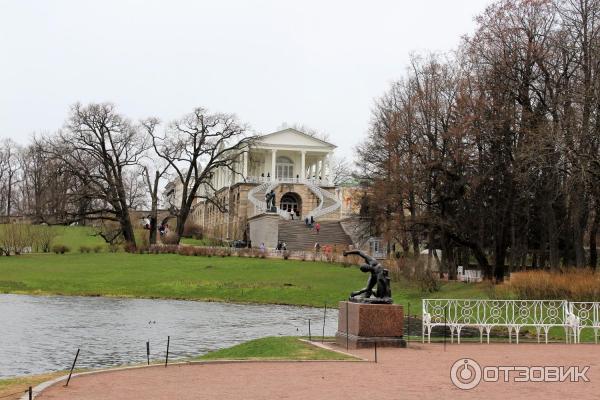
[[375, 246], [284, 168]]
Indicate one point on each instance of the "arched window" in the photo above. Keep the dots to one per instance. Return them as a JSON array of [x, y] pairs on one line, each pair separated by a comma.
[[284, 168]]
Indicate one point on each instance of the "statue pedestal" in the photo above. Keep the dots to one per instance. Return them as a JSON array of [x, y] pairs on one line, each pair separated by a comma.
[[369, 324]]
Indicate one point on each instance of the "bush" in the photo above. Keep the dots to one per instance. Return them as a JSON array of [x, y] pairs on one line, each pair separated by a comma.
[[130, 248], [427, 281], [60, 249], [84, 249], [570, 284], [286, 254], [44, 237], [163, 249], [170, 238], [97, 249], [113, 247], [192, 230], [16, 238], [247, 253]]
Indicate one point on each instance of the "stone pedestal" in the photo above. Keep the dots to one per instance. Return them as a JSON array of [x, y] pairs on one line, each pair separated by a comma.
[[369, 324], [264, 228]]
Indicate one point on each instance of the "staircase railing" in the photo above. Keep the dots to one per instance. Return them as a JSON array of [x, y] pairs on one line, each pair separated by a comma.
[[260, 205], [322, 194]]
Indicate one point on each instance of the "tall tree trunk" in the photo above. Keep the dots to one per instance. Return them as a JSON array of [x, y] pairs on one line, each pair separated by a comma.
[[593, 234], [413, 232], [127, 228], [9, 196], [552, 231]]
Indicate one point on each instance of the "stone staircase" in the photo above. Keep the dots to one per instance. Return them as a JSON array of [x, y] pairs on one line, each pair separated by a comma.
[[298, 236]]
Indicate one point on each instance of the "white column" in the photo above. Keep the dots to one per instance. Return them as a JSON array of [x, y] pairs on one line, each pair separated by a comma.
[[303, 165], [320, 168], [245, 157], [273, 162], [327, 169]]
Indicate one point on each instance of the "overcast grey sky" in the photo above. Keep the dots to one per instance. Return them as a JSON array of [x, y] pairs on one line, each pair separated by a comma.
[[318, 63]]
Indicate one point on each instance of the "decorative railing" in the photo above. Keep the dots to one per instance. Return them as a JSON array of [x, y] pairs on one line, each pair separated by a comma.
[[585, 315], [268, 184], [487, 314], [263, 179], [259, 204], [319, 211]]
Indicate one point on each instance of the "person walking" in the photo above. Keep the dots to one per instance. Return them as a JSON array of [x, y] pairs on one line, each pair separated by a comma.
[[318, 227], [317, 248]]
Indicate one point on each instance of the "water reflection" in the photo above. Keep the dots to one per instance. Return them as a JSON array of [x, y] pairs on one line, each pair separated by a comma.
[[41, 334]]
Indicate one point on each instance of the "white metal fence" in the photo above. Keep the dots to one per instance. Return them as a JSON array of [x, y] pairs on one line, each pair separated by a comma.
[[585, 315], [514, 315]]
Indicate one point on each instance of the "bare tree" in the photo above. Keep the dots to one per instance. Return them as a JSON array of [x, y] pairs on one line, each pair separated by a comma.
[[98, 147], [341, 171], [195, 147], [10, 177], [153, 171]]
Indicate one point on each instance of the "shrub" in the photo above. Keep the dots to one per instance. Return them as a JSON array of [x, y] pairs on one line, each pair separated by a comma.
[[44, 238], [569, 284], [130, 248], [186, 251], [427, 281], [170, 238], [163, 249], [113, 247], [16, 238], [97, 249], [84, 249], [60, 249], [286, 254], [193, 230]]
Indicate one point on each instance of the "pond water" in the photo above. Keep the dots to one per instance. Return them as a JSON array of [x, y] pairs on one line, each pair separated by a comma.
[[40, 334]]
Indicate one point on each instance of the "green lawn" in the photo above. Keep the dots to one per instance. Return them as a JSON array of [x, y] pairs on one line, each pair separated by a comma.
[[275, 348], [235, 279], [77, 236]]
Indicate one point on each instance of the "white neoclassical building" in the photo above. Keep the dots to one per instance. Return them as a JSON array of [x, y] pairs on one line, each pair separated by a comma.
[[296, 166]]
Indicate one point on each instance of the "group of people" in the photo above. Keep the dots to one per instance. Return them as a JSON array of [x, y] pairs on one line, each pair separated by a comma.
[[281, 246], [327, 249], [310, 223], [163, 229]]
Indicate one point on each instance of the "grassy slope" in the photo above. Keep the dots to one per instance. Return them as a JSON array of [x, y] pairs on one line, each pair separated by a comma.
[[76, 236], [200, 278], [274, 348], [14, 388]]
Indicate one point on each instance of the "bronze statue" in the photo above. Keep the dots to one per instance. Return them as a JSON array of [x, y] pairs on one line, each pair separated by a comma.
[[270, 199], [379, 276]]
